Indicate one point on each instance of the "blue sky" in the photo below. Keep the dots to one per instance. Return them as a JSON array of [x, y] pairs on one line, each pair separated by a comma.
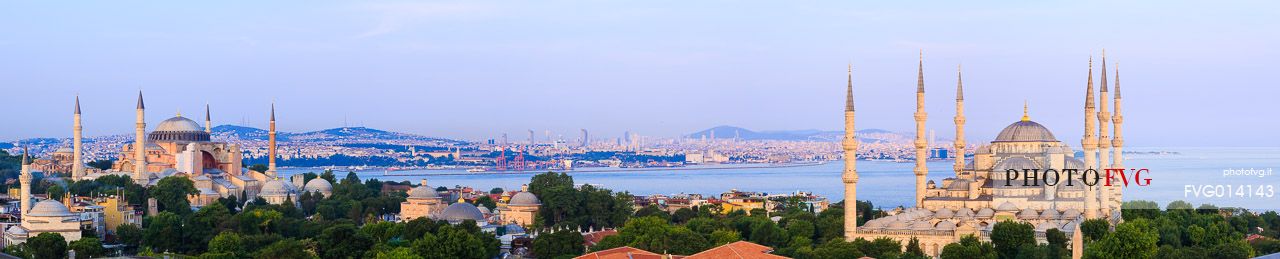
[[1194, 74]]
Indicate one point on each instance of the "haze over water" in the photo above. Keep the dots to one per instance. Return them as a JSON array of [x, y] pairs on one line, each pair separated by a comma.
[[889, 184]]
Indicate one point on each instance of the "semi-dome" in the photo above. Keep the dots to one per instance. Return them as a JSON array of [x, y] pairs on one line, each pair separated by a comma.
[[461, 211], [49, 208], [1024, 131], [1016, 163], [524, 199], [318, 185], [178, 129]]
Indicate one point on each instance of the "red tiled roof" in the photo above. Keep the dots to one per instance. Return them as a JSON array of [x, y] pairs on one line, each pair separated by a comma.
[[740, 249], [625, 252], [593, 238]]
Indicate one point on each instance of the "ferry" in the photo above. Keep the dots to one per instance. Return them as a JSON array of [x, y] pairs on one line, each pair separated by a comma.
[[476, 170]]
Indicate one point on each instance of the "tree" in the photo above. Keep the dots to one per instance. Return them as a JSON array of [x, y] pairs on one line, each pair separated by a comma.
[[486, 202], [129, 234], [287, 248], [227, 242], [47, 245], [171, 194], [721, 237], [837, 249], [56, 192], [1133, 239], [883, 247], [1094, 229], [1236, 249], [556, 244], [164, 232], [1009, 236], [496, 190], [398, 253], [913, 249], [87, 248], [342, 241], [968, 247], [800, 228]]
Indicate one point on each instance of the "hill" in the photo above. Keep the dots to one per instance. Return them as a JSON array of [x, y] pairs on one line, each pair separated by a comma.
[[729, 132]]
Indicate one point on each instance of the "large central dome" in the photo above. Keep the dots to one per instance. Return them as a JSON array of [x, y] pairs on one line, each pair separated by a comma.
[[178, 129], [1025, 131]]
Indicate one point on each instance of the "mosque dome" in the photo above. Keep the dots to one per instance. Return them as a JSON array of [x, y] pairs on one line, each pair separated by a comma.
[[1045, 226], [1073, 163], [897, 225], [1028, 213], [461, 211], [423, 192], [1006, 206], [318, 185], [178, 128], [964, 213], [1070, 214], [958, 185], [922, 225], [524, 199], [276, 188], [874, 224], [946, 225], [944, 213], [63, 150], [49, 208], [1025, 131], [1049, 214], [18, 230]]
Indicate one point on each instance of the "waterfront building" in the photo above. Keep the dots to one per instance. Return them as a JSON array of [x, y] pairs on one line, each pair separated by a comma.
[[976, 197]]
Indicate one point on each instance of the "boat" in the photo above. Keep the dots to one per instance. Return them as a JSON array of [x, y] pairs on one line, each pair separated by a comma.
[[476, 170]]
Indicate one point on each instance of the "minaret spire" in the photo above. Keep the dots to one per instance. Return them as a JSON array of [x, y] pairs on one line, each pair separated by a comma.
[[208, 121], [1090, 144], [77, 144], [921, 170], [850, 176], [1117, 141], [24, 179], [271, 149], [959, 120], [1104, 141], [140, 145]]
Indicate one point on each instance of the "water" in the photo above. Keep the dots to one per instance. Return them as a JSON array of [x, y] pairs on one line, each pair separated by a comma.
[[890, 184]]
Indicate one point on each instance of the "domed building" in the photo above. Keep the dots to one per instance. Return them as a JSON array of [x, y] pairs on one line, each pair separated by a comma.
[[46, 216], [320, 186], [521, 208], [423, 201], [279, 192], [990, 187], [460, 212], [181, 147]]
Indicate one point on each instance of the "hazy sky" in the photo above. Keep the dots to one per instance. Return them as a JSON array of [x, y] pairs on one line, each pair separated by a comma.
[[1193, 74]]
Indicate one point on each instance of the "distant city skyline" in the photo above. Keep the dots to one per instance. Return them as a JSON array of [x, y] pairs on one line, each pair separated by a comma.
[[1193, 74]]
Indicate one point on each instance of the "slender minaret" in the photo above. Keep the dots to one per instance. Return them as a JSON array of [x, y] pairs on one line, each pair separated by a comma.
[[1090, 144], [271, 145], [1104, 140], [959, 119], [1117, 142], [77, 144], [208, 122], [25, 180], [140, 145], [850, 175], [920, 170]]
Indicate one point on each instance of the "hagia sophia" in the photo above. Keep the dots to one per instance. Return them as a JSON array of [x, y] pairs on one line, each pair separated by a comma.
[[975, 198]]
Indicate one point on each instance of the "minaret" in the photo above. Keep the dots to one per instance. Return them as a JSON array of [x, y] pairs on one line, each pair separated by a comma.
[[25, 180], [208, 122], [1090, 144], [271, 145], [1104, 140], [140, 145], [920, 169], [77, 146], [850, 176], [1117, 142], [959, 119]]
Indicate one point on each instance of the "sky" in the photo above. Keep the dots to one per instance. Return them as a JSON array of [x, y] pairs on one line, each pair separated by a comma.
[[1193, 74]]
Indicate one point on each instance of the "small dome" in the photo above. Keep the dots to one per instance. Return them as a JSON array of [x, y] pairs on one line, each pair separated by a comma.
[[874, 224], [1073, 163], [1025, 130], [958, 185], [986, 213], [1070, 214], [1049, 214], [17, 230], [64, 150], [1007, 206], [276, 188], [49, 208], [964, 213], [922, 225], [524, 199], [318, 185], [897, 225], [1028, 213], [946, 225], [461, 211], [1043, 226], [943, 213]]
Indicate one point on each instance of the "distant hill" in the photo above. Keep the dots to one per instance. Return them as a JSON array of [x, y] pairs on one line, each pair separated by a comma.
[[240, 132], [729, 132], [344, 134]]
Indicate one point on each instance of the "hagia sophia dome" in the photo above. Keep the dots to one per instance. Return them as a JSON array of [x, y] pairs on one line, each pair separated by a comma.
[[178, 128]]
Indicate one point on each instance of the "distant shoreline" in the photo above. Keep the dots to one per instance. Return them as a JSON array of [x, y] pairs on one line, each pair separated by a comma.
[[604, 170]]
